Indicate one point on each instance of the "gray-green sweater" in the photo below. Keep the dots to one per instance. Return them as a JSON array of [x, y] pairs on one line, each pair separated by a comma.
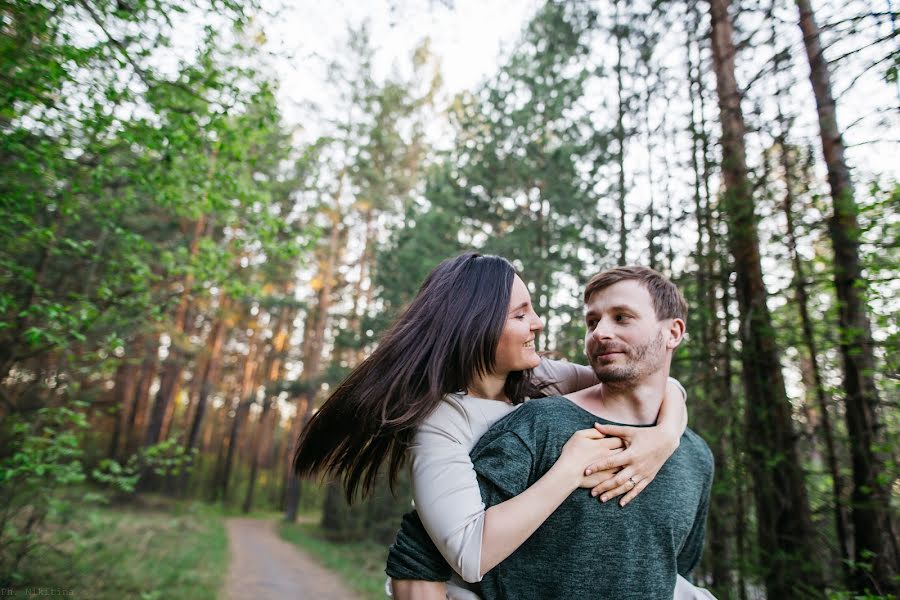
[[585, 549]]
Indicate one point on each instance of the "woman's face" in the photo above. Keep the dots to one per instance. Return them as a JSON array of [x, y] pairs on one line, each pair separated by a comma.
[[515, 350]]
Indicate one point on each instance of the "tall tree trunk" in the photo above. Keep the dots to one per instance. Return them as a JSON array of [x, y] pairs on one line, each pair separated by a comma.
[[721, 534], [246, 397], [123, 394], [292, 486], [316, 324], [273, 372], [173, 366], [204, 388], [791, 566], [874, 537], [620, 137], [137, 419], [801, 297]]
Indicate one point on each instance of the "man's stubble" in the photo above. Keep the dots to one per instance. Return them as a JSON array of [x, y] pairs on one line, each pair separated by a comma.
[[642, 361]]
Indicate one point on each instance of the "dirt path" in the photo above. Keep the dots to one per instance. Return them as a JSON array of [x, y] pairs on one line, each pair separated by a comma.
[[265, 567]]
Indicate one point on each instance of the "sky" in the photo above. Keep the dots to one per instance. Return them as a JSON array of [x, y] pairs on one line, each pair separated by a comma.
[[469, 38]]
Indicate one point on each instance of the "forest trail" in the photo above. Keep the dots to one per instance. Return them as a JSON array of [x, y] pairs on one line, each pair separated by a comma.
[[265, 567]]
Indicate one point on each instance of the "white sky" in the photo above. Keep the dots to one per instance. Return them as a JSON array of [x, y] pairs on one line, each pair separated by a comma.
[[469, 40]]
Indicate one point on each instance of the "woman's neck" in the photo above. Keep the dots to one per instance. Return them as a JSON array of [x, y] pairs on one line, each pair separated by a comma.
[[489, 387]]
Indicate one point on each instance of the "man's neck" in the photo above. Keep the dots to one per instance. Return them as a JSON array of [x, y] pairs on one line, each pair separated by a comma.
[[628, 402]]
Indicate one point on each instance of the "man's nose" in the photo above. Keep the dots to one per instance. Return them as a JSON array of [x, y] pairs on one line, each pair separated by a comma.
[[601, 331]]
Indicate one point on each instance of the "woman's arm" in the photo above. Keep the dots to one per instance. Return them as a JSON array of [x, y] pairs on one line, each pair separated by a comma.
[[648, 448], [448, 499], [507, 525]]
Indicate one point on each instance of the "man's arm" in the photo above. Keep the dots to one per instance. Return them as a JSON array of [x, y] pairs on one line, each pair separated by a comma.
[[692, 549], [414, 556]]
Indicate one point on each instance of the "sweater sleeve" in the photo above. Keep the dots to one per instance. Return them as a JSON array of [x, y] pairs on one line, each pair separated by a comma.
[[692, 550], [413, 554], [445, 489]]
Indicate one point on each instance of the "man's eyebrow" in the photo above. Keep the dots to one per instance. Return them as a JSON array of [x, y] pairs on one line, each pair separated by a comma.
[[616, 308], [624, 307]]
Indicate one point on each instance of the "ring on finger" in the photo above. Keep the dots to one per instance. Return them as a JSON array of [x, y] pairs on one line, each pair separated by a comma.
[[633, 482]]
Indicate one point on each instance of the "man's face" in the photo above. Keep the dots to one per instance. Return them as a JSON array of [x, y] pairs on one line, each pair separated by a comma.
[[624, 340]]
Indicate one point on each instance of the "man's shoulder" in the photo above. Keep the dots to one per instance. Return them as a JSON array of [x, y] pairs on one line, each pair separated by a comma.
[[532, 422], [697, 449], [539, 410]]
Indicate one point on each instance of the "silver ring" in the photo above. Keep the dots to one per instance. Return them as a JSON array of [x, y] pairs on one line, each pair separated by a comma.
[[633, 482]]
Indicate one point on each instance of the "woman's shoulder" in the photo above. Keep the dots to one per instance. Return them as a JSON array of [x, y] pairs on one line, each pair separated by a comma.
[[463, 419]]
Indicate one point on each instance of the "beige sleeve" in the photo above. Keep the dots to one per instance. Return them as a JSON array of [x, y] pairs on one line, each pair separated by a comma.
[[563, 376], [445, 488]]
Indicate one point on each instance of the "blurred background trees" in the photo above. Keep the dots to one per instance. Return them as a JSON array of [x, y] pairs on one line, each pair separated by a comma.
[[183, 277]]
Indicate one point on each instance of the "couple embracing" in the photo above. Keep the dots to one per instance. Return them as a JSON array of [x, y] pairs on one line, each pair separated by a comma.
[[591, 488]]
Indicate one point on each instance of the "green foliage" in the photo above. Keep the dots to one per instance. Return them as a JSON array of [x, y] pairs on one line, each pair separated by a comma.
[[111, 552], [44, 462]]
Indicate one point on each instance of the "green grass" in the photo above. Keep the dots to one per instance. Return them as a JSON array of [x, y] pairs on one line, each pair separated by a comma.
[[167, 550], [359, 564]]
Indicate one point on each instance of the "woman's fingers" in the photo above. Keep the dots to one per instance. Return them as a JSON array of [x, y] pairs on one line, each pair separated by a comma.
[[624, 433], [596, 479], [615, 460], [591, 434], [641, 484], [618, 485]]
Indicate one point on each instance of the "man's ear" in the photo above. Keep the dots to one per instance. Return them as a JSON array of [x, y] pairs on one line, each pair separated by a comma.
[[676, 333]]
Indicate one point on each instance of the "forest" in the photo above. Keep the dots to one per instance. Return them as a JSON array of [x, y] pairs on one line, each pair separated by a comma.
[[185, 274]]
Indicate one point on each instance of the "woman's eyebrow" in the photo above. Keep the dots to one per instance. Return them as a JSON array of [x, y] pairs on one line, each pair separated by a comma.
[[520, 307]]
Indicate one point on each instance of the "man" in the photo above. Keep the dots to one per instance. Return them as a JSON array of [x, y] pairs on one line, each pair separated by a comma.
[[635, 320]]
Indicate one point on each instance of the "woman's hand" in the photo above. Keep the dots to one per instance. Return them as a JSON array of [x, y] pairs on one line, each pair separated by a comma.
[[585, 448], [647, 450]]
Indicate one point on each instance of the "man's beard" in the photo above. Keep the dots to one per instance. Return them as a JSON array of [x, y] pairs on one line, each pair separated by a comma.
[[641, 360]]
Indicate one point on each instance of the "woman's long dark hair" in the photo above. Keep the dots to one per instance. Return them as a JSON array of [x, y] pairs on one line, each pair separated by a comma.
[[445, 339]]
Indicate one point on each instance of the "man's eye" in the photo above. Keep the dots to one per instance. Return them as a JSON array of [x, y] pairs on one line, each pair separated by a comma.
[[591, 324], [622, 317]]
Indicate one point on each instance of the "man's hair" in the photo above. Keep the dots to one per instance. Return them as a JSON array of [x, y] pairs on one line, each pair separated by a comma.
[[667, 299]]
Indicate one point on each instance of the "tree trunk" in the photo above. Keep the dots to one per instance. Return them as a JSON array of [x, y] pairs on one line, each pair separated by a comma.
[[246, 397], [710, 417], [620, 138], [137, 418], [791, 566], [173, 366], [873, 532], [292, 485], [204, 388], [123, 394], [801, 297], [273, 372], [316, 324]]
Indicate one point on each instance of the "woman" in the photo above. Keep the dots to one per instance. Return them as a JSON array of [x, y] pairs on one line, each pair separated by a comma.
[[458, 359]]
